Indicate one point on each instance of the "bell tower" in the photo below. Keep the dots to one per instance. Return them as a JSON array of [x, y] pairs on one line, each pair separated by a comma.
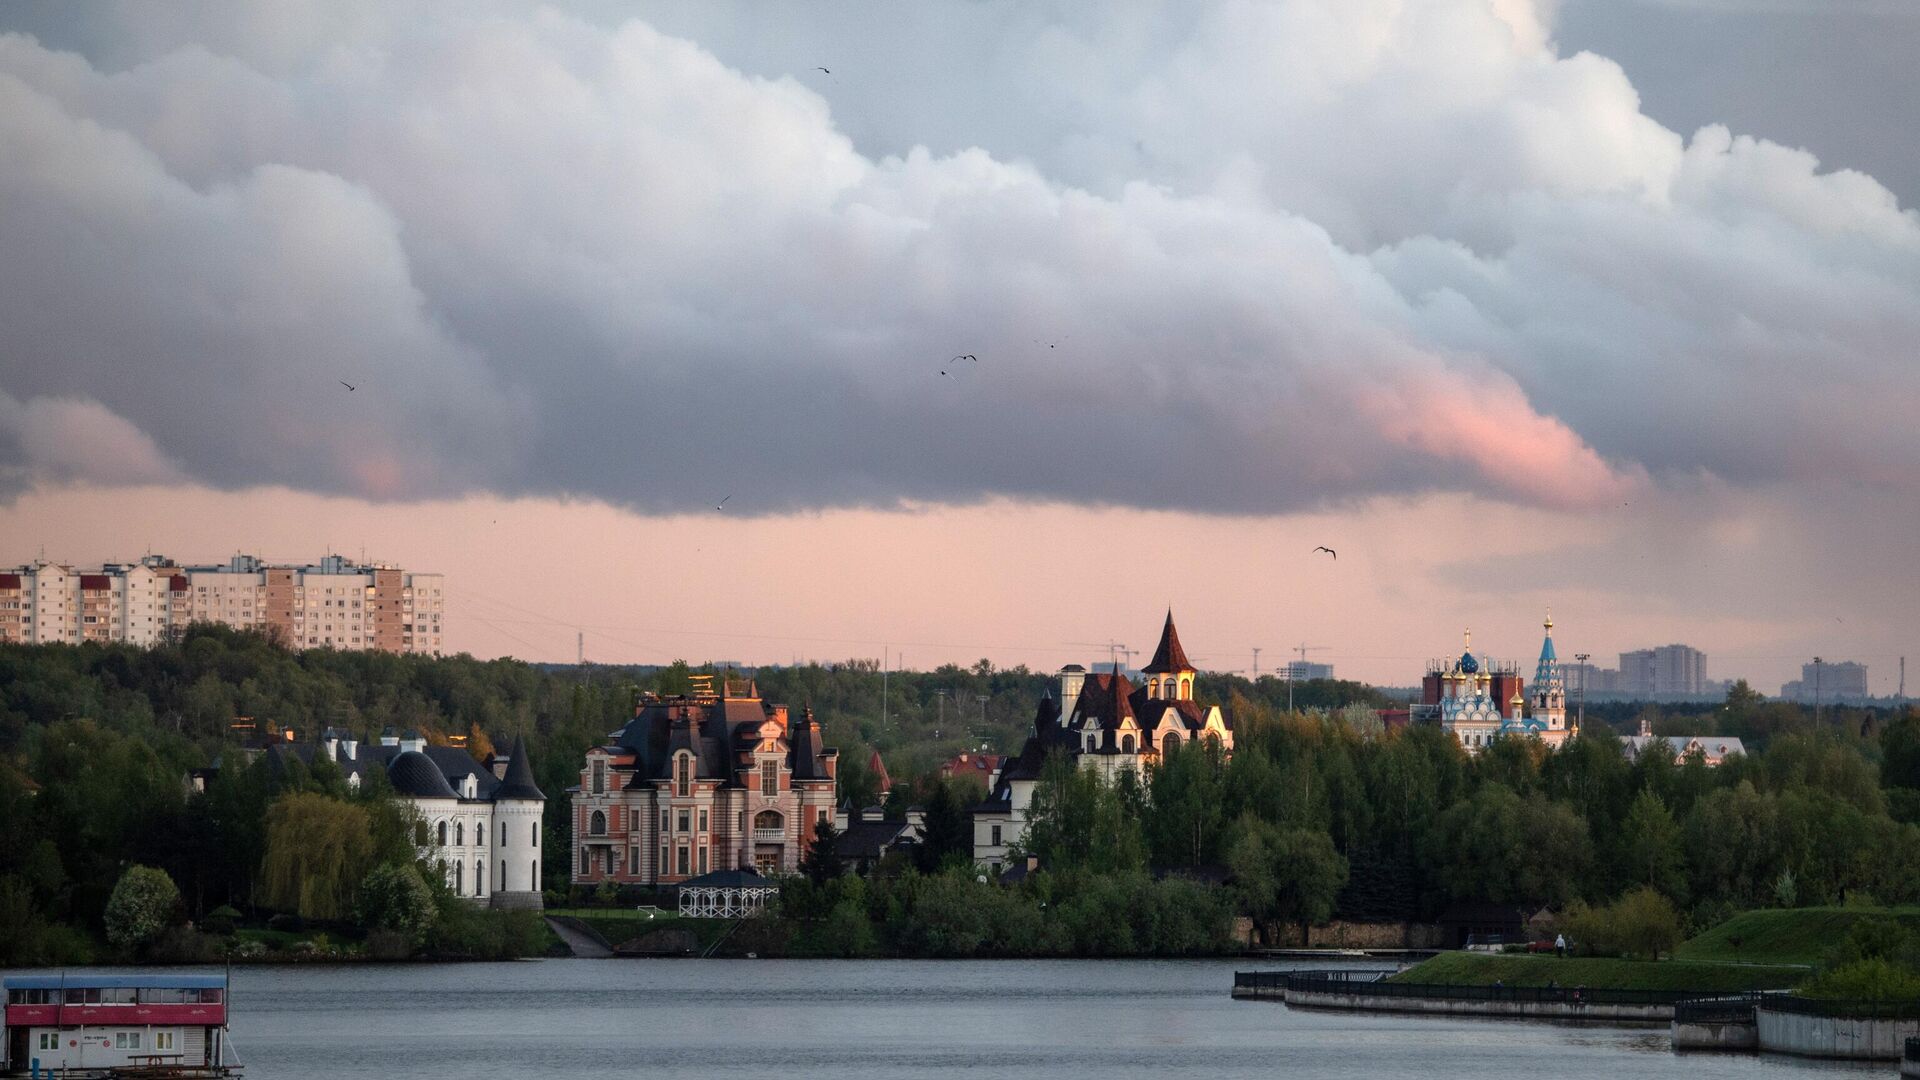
[[1170, 675]]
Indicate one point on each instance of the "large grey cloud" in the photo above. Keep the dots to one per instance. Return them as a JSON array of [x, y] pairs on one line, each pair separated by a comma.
[[1239, 257]]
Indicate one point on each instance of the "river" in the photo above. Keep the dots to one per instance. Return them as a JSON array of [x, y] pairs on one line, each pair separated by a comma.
[[586, 1019]]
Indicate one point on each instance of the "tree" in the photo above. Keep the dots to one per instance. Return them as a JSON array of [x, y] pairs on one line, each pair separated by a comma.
[[946, 833], [1646, 923], [395, 898], [1650, 847], [821, 863], [1281, 874], [318, 852], [142, 904]]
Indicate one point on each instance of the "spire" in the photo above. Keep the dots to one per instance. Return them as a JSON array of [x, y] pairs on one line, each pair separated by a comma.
[[1169, 658], [518, 783]]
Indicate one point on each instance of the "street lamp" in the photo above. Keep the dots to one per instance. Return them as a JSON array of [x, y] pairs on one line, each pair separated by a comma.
[[1580, 722], [1817, 662]]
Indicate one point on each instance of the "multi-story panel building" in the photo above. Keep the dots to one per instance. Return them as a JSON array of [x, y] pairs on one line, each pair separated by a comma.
[[1828, 681], [335, 604], [700, 783], [1666, 671]]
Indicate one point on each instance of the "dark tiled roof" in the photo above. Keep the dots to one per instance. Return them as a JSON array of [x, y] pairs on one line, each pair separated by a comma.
[[518, 782], [869, 839], [1169, 657], [415, 775]]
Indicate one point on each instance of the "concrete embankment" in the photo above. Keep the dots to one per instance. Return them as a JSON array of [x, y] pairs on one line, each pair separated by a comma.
[[1787, 1031], [585, 942], [1365, 991]]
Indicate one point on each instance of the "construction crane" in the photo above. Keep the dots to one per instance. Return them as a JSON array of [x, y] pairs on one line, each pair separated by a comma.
[[1303, 648], [1115, 650]]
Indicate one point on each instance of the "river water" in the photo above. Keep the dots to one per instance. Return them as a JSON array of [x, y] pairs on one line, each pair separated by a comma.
[[587, 1019]]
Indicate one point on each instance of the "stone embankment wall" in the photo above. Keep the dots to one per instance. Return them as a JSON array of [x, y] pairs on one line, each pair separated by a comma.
[[1729, 1035], [1833, 1036], [1438, 1006], [1340, 934]]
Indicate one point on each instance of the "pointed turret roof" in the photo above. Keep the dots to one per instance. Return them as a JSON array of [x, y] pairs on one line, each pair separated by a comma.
[[1169, 657], [518, 783], [1546, 676]]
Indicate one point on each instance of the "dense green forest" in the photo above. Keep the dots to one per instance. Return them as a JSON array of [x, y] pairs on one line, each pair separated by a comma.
[[1320, 811]]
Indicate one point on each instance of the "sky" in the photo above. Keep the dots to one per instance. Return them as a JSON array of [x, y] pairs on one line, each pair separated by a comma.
[[999, 327]]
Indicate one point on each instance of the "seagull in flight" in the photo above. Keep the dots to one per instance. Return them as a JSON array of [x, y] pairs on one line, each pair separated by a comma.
[[955, 363], [347, 384], [824, 70], [1328, 550], [722, 504]]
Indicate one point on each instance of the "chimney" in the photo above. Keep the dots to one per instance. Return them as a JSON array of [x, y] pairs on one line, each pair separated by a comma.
[[1033, 863], [352, 746]]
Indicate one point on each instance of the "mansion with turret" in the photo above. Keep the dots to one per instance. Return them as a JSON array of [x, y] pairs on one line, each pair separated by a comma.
[[701, 783], [1102, 721]]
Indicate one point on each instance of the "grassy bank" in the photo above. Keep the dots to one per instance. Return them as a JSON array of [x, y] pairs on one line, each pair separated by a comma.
[[1472, 969], [622, 925], [1786, 936]]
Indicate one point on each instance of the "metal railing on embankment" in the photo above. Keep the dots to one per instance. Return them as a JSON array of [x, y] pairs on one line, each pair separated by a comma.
[[1372, 984], [1844, 1008], [1718, 1008]]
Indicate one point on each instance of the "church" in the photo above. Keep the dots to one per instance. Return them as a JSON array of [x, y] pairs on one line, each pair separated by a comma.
[[1477, 701], [700, 783], [1103, 722]]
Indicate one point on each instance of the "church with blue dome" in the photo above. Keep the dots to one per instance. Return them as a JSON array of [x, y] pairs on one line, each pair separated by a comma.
[[1478, 700]]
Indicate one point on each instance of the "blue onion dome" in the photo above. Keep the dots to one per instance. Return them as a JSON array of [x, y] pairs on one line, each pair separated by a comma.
[[1468, 664]]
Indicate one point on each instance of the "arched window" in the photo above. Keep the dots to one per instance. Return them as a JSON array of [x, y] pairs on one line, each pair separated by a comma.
[[441, 838], [766, 819], [502, 883], [459, 879], [1126, 744], [479, 877], [534, 828], [459, 834], [597, 825], [503, 834], [1170, 743], [683, 773]]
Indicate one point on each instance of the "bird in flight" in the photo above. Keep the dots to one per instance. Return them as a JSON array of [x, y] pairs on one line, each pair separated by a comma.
[[1328, 550], [824, 70], [722, 504], [955, 363], [346, 384]]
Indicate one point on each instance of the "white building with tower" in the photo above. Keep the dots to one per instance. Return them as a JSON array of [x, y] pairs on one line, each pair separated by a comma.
[[1103, 722]]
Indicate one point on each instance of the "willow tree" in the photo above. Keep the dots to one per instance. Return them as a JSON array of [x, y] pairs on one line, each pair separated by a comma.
[[318, 851]]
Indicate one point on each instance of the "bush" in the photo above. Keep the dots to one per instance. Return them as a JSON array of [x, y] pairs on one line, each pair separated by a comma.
[[394, 898], [141, 906], [287, 923], [1646, 923], [389, 945], [180, 945], [1865, 980], [221, 920]]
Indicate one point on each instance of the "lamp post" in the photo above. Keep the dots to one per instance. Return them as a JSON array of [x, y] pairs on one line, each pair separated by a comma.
[[1580, 721], [1817, 662]]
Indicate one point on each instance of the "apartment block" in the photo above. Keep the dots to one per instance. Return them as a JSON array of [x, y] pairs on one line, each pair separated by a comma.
[[333, 604], [1667, 670]]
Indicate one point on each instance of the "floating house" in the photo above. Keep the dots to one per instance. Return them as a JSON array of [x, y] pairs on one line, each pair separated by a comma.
[[76, 1025]]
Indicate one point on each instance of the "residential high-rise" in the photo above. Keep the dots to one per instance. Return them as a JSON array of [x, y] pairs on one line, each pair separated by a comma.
[[1305, 670], [333, 604], [1669, 670], [1829, 681]]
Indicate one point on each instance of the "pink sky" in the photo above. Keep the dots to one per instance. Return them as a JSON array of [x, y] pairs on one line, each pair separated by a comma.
[[1023, 583]]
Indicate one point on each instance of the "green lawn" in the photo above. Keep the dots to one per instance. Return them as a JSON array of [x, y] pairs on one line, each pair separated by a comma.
[[1599, 973], [621, 925], [1786, 936]]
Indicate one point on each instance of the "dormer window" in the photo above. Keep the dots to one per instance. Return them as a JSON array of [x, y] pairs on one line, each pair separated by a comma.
[[770, 778], [683, 774]]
